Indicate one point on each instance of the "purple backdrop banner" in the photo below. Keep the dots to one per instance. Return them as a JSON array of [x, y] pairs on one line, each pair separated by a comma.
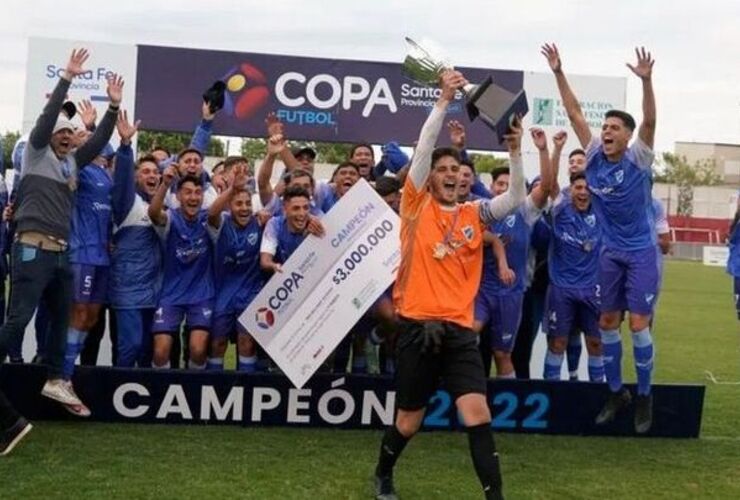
[[317, 99]]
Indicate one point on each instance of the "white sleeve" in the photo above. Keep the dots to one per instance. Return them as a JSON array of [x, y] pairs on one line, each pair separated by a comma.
[[270, 238], [594, 146], [531, 212], [642, 155], [215, 232], [163, 231], [502, 205], [661, 221], [421, 162]]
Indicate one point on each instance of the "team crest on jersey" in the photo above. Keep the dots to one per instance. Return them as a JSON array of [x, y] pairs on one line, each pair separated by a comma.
[[468, 232], [649, 297], [510, 220], [252, 238], [619, 175], [590, 220]]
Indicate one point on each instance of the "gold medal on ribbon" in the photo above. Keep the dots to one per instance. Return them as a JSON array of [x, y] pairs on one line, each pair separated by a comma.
[[440, 250]]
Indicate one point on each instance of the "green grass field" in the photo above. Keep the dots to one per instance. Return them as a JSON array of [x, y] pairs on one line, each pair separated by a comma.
[[695, 331]]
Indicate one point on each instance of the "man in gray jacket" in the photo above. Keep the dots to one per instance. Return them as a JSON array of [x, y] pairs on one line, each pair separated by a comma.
[[39, 257]]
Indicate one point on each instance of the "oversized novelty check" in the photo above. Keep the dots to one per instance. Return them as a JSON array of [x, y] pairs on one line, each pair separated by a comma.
[[328, 283]]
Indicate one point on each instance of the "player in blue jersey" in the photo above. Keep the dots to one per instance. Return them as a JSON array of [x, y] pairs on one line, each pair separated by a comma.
[[342, 179], [187, 281], [238, 278], [619, 177], [733, 262], [499, 300], [135, 271], [284, 234]]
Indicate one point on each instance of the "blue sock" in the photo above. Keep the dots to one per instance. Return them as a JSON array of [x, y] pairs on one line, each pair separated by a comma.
[[596, 368], [75, 343], [390, 366], [359, 364], [247, 364], [553, 364], [574, 354], [612, 343], [642, 347], [215, 364]]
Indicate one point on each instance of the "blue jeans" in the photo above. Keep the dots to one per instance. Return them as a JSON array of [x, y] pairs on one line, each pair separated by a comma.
[[39, 274]]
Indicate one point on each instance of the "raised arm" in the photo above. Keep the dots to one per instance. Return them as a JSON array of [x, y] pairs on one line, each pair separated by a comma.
[[644, 70], [41, 133], [88, 151], [157, 213], [500, 206], [421, 162], [123, 193], [542, 191], [275, 147], [202, 135], [558, 142], [238, 182], [577, 120]]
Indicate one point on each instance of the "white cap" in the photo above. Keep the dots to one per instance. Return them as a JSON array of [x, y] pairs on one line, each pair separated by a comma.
[[63, 123]]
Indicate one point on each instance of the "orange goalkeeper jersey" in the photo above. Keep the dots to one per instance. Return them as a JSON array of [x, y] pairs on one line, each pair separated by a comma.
[[441, 258]]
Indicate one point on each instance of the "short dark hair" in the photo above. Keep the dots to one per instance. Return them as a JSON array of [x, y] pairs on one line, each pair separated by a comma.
[[160, 148], [296, 173], [468, 163], [219, 165], [342, 165], [230, 161], [189, 150], [189, 178], [295, 192], [626, 118], [498, 172], [577, 176], [146, 159], [577, 151], [359, 145], [442, 152]]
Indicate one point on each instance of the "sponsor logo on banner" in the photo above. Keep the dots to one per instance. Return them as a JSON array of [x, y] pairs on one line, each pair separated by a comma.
[[543, 111], [246, 91], [551, 112], [265, 317]]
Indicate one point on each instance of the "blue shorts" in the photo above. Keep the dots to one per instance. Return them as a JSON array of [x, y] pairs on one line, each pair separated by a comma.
[[503, 313], [628, 280], [737, 295], [90, 284], [167, 319], [226, 325], [572, 308]]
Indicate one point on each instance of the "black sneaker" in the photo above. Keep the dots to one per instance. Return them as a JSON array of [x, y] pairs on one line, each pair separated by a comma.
[[616, 402], [643, 413], [384, 489], [9, 438]]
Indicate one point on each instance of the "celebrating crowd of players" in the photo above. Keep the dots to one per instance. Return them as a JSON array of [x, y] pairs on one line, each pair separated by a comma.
[[176, 254]]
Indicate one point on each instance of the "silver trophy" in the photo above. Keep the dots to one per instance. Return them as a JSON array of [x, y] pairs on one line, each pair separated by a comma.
[[494, 105]]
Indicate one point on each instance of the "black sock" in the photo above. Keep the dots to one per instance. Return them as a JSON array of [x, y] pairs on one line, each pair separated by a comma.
[[485, 459], [390, 449], [8, 415]]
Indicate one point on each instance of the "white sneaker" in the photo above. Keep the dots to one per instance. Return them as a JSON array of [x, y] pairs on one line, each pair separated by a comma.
[[58, 390]]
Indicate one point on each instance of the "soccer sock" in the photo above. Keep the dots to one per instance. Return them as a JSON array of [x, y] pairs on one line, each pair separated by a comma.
[[195, 366], [247, 364], [596, 368], [485, 459], [612, 343], [390, 449], [165, 366], [359, 364], [75, 343], [215, 364], [553, 363], [642, 347], [574, 354]]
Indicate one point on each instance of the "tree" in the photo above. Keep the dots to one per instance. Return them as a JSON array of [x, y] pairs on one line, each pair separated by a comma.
[[326, 152], [254, 149], [7, 141], [487, 163], [677, 170], [175, 142]]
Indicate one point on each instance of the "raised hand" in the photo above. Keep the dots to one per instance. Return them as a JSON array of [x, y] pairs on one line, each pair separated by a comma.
[[451, 81], [457, 133], [241, 177], [550, 51], [539, 138], [170, 174], [75, 63], [125, 129], [206, 113], [514, 137], [115, 89], [87, 113], [559, 139], [274, 125], [276, 144], [644, 67]]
